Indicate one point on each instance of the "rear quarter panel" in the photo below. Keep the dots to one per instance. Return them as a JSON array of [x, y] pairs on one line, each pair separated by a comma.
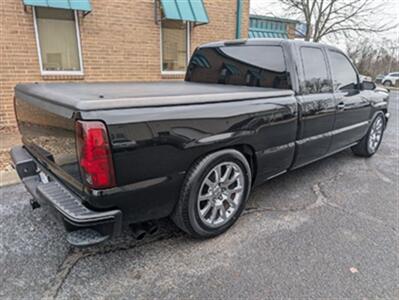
[[154, 147]]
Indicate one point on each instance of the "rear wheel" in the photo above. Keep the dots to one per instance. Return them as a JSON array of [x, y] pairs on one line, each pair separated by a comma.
[[213, 194], [370, 143]]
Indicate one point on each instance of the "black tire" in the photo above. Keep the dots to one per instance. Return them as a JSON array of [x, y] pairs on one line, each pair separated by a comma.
[[362, 148], [186, 215], [387, 83]]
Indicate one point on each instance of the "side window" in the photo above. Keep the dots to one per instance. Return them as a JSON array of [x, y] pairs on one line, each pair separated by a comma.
[[315, 69], [343, 73], [266, 57], [262, 66]]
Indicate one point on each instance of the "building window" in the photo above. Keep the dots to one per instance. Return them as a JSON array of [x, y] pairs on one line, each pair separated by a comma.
[[57, 38], [175, 41]]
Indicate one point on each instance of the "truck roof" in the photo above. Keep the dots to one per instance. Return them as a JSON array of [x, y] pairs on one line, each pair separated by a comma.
[[114, 95], [265, 41]]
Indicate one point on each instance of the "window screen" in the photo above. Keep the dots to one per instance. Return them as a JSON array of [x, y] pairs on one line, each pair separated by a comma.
[[58, 39], [174, 45], [315, 69], [262, 66]]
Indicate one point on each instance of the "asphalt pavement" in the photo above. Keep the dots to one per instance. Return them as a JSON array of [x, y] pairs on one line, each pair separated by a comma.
[[329, 230]]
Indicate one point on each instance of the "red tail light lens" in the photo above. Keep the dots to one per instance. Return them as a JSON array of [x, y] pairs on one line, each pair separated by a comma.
[[94, 154]]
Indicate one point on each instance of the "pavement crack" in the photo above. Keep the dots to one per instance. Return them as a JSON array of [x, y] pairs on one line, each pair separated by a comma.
[[320, 200], [323, 199], [128, 245], [378, 173], [63, 271], [75, 254]]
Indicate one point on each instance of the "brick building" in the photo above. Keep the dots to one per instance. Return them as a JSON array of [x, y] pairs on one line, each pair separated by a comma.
[[99, 40]]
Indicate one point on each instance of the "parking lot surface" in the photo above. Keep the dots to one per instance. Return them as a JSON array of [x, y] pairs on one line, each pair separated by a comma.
[[329, 230]]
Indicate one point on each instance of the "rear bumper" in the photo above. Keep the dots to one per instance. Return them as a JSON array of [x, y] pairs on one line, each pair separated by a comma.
[[66, 205]]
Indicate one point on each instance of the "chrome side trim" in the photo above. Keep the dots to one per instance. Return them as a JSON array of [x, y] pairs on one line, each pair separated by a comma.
[[343, 129], [277, 174], [277, 148], [331, 133]]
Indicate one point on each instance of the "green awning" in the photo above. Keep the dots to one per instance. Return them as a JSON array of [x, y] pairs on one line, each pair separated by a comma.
[[185, 10], [83, 5], [268, 27], [256, 34]]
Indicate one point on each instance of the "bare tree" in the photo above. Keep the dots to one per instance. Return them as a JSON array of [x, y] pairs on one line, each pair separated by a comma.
[[372, 59], [332, 17]]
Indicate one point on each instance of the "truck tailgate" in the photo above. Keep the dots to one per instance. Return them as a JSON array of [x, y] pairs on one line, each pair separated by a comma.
[[50, 138]]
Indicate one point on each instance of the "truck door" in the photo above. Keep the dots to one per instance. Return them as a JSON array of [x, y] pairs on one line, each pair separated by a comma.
[[316, 106], [352, 107]]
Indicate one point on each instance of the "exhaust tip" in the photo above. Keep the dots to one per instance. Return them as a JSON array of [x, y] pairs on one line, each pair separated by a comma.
[[34, 203], [138, 231]]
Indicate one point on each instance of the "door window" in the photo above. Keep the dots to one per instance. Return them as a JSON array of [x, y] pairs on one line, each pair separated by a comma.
[[343, 73], [315, 69]]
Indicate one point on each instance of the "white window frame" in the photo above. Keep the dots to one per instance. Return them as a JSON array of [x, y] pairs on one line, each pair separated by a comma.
[[188, 40], [62, 73]]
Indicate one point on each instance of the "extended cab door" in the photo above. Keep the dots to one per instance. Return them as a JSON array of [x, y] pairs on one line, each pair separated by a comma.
[[352, 107], [316, 105]]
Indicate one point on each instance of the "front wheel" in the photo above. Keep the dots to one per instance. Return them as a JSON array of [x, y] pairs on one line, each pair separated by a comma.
[[370, 143], [213, 194]]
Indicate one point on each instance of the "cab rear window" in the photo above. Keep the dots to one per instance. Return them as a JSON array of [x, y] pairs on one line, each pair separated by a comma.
[[261, 66]]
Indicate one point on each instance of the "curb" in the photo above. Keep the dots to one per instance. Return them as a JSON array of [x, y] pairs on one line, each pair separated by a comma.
[[8, 178]]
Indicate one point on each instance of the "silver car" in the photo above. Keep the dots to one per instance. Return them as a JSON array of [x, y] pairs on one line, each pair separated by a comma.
[[391, 79]]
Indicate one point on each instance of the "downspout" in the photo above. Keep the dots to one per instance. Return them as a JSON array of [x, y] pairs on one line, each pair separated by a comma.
[[238, 19]]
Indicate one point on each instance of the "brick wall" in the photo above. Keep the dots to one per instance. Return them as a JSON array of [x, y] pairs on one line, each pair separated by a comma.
[[291, 29], [119, 39]]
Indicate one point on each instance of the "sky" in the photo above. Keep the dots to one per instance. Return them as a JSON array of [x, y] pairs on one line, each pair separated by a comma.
[[389, 12]]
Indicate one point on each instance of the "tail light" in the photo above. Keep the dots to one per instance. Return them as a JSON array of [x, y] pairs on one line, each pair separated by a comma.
[[94, 154]]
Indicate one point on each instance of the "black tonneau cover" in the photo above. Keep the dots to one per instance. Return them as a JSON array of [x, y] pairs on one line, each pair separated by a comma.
[[114, 95]]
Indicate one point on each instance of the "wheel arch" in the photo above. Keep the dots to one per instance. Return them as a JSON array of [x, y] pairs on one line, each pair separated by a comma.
[[249, 154], [245, 149], [382, 112], [387, 80]]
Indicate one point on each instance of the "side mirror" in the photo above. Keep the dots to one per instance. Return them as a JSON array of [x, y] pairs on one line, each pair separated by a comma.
[[368, 85]]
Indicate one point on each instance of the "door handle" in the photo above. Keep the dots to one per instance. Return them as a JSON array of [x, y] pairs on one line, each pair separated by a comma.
[[341, 106]]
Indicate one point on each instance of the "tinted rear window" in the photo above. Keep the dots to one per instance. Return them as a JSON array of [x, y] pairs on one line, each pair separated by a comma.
[[262, 66]]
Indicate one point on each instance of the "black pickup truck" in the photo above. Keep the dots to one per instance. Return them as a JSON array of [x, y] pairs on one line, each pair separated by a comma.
[[105, 155]]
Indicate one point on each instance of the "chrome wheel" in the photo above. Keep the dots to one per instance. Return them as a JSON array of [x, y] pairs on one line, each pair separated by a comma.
[[375, 134], [220, 194]]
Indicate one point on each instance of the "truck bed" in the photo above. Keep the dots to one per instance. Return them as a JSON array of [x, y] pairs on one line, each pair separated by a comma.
[[114, 95]]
